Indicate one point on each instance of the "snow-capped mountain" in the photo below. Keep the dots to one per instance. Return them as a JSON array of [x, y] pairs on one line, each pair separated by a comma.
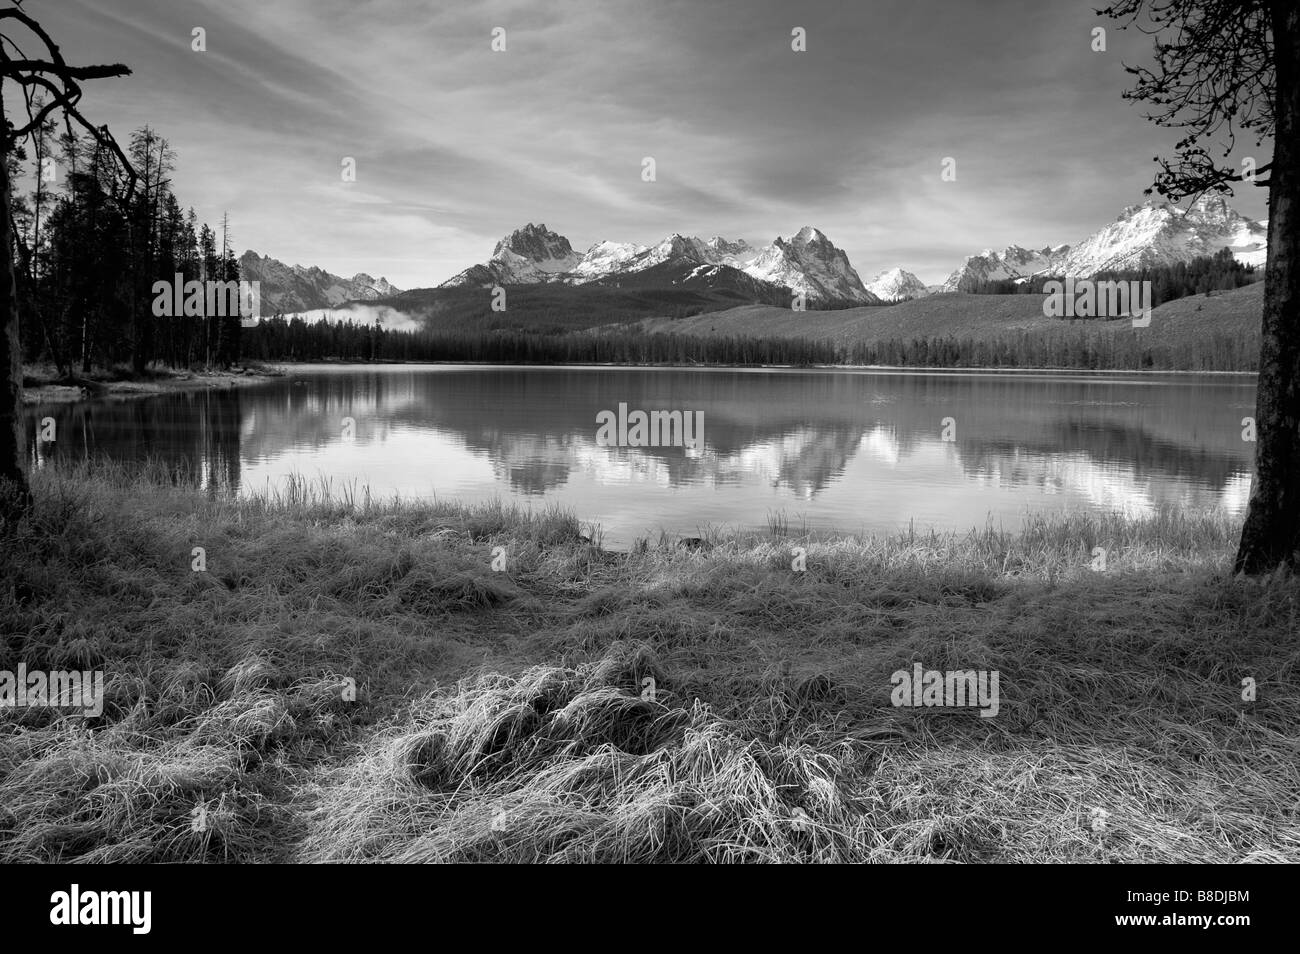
[[896, 284], [605, 258], [293, 288], [675, 248], [737, 254], [1011, 263], [547, 251], [1160, 233], [526, 256], [810, 263], [1153, 233]]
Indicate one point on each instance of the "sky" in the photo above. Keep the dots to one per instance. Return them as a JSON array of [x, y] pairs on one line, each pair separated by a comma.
[[456, 145]]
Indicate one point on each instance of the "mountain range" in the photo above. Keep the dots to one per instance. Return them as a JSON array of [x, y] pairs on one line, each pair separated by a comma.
[[807, 263], [1153, 233], [295, 288]]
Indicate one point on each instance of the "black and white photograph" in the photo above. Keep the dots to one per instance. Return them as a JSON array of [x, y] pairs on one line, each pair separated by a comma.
[[651, 432]]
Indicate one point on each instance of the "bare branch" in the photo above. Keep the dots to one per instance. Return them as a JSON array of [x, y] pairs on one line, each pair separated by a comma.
[[11, 68], [1213, 77], [64, 94]]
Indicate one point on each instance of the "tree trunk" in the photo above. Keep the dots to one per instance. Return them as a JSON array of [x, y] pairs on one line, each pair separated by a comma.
[[85, 337], [13, 474], [1271, 535]]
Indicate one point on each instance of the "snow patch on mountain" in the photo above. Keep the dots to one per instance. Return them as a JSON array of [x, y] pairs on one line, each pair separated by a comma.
[[547, 251], [737, 254], [1153, 233], [1161, 233], [811, 264], [1013, 262], [897, 284], [676, 248], [526, 256], [605, 258], [808, 262]]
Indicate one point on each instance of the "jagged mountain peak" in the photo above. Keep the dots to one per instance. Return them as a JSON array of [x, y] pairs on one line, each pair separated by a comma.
[[536, 243], [1160, 233], [808, 262], [1132, 210], [528, 255], [722, 245], [1011, 263], [678, 242], [381, 285], [808, 235], [295, 288], [1213, 210], [1152, 232], [896, 284], [811, 264]]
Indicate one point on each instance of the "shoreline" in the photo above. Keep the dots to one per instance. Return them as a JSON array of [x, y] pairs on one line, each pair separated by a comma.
[[52, 391], [291, 366]]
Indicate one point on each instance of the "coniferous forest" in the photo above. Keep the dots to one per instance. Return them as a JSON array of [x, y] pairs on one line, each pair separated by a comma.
[[1204, 273], [90, 249]]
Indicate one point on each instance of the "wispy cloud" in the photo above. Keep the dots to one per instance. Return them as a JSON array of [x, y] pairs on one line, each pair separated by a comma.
[[455, 144]]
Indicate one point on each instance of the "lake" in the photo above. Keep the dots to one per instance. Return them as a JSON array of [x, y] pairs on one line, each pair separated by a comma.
[[834, 450]]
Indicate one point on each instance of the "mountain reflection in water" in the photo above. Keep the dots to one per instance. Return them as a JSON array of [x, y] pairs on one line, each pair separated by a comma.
[[836, 450]]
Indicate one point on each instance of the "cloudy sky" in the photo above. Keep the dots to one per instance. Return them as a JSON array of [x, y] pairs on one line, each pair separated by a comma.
[[456, 145]]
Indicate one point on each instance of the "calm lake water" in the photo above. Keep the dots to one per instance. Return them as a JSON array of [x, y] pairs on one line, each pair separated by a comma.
[[843, 451]]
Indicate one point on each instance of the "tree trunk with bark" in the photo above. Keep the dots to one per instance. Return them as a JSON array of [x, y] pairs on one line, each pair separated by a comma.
[[1271, 535], [13, 472]]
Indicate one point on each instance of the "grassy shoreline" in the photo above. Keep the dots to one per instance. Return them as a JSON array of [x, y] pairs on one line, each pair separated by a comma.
[[498, 715], [42, 384]]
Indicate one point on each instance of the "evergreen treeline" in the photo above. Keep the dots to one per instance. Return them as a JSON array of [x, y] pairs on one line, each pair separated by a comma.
[[1075, 346], [1070, 347], [278, 339], [1205, 273], [89, 251]]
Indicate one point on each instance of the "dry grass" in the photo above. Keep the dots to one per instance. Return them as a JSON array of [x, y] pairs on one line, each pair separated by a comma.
[[499, 716]]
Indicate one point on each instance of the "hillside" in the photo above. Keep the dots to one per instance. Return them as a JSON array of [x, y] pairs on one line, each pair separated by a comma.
[[556, 307], [719, 279], [960, 315]]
